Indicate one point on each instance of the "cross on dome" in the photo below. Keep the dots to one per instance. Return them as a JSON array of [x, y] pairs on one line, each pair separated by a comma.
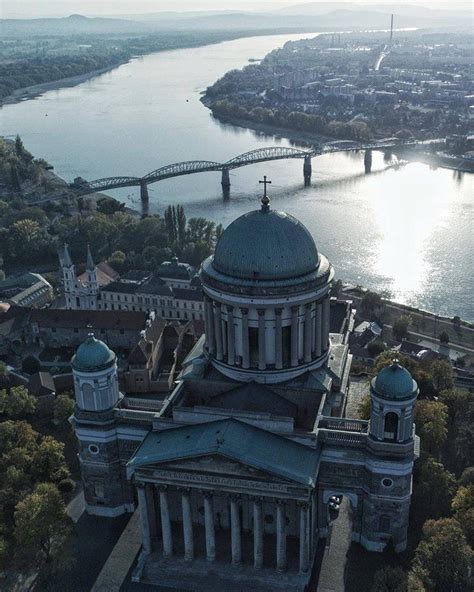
[[265, 198]]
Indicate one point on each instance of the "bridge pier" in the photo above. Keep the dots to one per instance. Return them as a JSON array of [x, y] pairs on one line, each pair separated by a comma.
[[368, 161], [307, 170], [144, 197], [225, 182]]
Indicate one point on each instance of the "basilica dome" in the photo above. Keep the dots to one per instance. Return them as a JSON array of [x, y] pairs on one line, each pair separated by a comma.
[[266, 245], [92, 355]]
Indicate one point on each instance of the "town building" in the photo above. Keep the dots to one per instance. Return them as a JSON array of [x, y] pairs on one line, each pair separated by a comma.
[[173, 291], [232, 472], [28, 289]]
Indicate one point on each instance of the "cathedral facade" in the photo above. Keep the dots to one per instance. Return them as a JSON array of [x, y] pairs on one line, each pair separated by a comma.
[[233, 471]]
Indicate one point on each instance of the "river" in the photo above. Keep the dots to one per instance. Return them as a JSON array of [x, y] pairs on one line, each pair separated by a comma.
[[407, 230]]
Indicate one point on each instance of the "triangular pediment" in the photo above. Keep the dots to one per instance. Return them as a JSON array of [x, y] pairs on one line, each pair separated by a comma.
[[216, 464], [232, 440]]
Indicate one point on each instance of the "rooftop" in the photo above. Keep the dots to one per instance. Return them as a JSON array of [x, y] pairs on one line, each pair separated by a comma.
[[266, 244], [233, 439]]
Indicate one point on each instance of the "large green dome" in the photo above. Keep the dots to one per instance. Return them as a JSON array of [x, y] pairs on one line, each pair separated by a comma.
[[267, 245], [92, 355], [394, 382]]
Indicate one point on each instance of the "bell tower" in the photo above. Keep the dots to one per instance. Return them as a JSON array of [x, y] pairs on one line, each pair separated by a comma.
[[92, 282], [392, 450], [393, 394], [69, 278], [96, 389]]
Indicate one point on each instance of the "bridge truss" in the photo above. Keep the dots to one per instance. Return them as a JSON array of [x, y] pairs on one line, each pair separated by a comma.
[[253, 157]]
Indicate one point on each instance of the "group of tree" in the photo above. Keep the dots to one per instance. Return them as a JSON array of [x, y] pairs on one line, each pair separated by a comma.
[[32, 234], [294, 120], [442, 507], [33, 480]]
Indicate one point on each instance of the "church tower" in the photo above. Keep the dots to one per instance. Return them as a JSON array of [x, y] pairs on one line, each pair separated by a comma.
[[392, 446], [94, 368], [69, 277], [92, 282], [393, 395]]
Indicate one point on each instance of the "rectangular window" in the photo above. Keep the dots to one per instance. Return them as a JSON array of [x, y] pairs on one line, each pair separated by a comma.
[[99, 490]]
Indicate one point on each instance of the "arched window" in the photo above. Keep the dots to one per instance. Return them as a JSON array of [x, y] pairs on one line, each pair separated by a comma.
[[384, 524], [88, 396], [391, 426]]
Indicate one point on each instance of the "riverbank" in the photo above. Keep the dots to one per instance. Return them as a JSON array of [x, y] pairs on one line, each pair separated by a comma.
[[309, 139], [31, 92]]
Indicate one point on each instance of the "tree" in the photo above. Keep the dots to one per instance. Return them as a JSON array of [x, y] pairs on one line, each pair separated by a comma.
[[48, 461], [433, 490], [117, 260], [30, 365], [109, 206], [17, 403], [442, 375], [457, 402], [41, 522], [443, 557], [63, 408], [431, 419], [463, 508], [400, 327], [376, 347], [371, 304], [19, 147], [389, 579], [444, 337]]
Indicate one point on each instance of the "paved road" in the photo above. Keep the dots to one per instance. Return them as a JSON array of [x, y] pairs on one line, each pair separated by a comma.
[[331, 575]]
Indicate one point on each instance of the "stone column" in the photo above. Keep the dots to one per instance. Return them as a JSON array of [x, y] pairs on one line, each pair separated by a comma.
[[278, 340], [210, 334], [245, 338], [209, 525], [218, 330], [166, 524], [294, 335], [319, 329], [304, 548], [262, 364], [235, 531], [281, 536], [230, 336], [187, 527], [151, 505], [257, 535], [307, 333], [326, 316], [144, 519]]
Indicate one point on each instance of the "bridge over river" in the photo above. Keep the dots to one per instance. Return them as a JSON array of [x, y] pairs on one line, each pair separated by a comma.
[[83, 187]]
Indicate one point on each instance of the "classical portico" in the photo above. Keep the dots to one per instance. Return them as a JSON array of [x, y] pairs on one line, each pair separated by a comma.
[[213, 504]]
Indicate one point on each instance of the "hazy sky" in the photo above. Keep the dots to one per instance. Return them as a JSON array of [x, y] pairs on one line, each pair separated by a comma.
[[36, 8]]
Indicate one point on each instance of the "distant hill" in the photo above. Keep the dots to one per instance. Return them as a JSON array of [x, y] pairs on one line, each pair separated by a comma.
[[302, 17]]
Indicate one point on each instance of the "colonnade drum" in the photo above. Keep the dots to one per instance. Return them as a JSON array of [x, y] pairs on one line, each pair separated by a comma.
[[239, 528], [273, 337]]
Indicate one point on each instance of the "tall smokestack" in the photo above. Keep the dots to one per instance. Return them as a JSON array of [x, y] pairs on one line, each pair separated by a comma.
[[391, 28]]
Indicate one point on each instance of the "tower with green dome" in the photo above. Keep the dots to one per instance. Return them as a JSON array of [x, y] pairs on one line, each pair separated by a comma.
[[393, 396], [96, 388]]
